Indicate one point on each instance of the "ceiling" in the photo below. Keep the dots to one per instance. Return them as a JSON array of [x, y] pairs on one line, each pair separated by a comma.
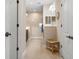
[[36, 5]]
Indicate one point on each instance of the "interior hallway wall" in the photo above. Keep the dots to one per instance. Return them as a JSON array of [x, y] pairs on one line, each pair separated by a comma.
[[33, 21], [47, 12], [50, 32]]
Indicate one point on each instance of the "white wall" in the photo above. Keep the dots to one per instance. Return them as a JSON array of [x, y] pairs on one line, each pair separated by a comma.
[[22, 26], [47, 12], [33, 20], [50, 32]]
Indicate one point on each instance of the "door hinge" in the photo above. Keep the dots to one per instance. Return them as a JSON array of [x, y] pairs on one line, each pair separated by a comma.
[[61, 25], [61, 5], [17, 25], [62, 57], [17, 1], [60, 46], [17, 48]]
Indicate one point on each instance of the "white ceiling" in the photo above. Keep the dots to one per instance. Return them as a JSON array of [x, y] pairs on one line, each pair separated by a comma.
[[36, 5]]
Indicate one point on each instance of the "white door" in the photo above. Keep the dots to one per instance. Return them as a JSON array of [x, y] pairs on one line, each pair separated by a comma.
[[67, 29], [10, 27]]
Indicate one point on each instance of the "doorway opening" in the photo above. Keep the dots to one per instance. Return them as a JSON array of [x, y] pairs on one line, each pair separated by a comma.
[[40, 29]]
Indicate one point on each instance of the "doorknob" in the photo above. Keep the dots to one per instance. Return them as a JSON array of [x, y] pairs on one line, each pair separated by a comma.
[[70, 37], [7, 34]]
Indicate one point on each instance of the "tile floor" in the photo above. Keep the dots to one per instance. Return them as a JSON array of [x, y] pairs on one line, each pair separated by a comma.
[[35, 50]]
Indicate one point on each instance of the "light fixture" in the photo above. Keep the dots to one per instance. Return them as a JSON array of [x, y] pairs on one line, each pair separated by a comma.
[[52, 7], [28, 27], [26, 14]]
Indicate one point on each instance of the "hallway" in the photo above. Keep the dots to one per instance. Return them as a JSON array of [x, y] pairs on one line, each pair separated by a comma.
[[36, 50]]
